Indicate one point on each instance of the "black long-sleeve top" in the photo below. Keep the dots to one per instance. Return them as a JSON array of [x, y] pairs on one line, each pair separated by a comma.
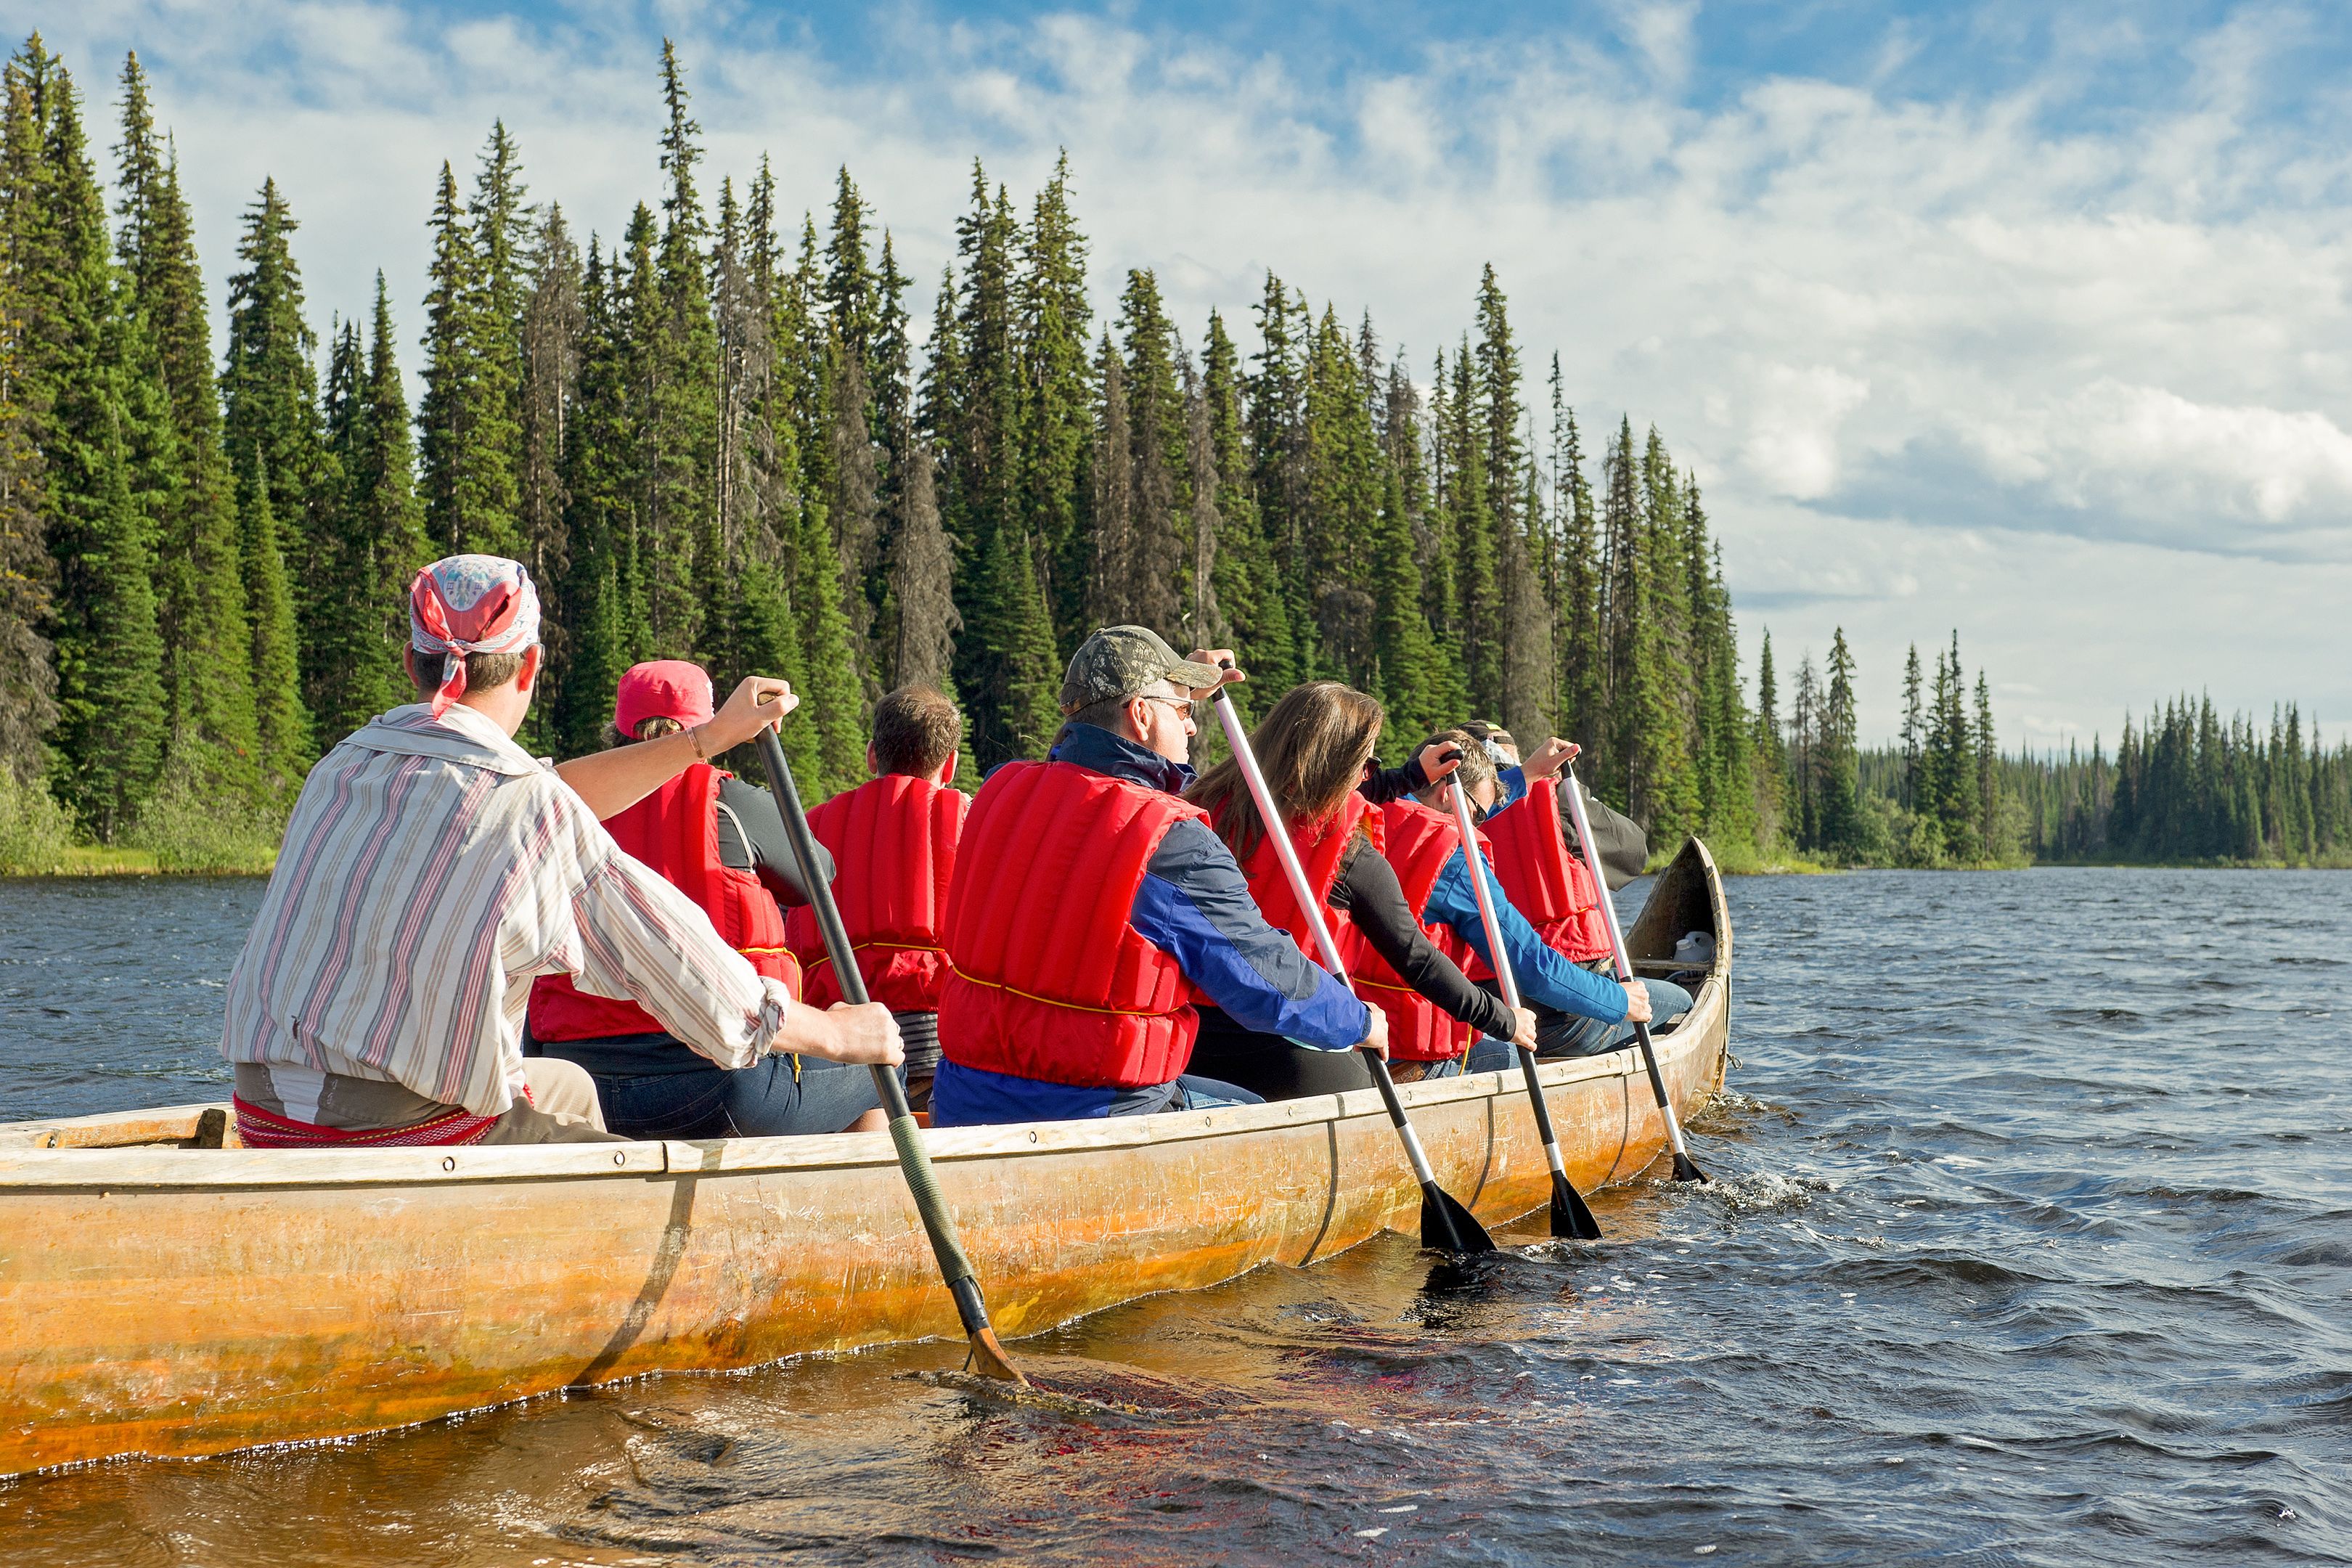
[[1382, 786], [748, 812]]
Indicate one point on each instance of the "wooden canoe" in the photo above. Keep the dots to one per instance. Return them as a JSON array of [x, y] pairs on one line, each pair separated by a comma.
[[166, 1296]]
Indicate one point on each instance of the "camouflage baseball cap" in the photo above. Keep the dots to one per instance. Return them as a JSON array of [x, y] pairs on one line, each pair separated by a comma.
[[1119, 661]]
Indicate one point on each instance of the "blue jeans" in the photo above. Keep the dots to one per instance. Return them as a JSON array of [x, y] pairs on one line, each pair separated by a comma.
[[762, 1100], [1560, 1035], [1190, 1091]]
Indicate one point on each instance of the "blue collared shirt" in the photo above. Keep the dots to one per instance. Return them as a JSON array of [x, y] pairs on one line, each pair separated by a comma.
[[1545, 978]]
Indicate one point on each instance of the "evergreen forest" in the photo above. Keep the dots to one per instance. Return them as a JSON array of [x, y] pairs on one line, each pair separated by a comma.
[[721, 434]]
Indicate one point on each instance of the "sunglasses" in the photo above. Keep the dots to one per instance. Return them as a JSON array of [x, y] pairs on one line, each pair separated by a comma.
[[1183, 706]]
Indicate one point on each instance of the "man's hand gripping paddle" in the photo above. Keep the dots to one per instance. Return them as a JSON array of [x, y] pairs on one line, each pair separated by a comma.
[[1684, 1169], [1445, 1224], [988, 1357], [1572, 1217]]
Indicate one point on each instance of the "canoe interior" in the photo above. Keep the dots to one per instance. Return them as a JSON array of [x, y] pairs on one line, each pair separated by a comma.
[[171, 1295]]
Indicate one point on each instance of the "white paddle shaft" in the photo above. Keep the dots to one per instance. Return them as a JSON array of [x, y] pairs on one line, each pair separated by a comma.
[[1277, 830], [1600, 877], [1501, 961], [1617, 947]]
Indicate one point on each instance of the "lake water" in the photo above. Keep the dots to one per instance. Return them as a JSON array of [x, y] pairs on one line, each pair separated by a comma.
[[2031, 1243]]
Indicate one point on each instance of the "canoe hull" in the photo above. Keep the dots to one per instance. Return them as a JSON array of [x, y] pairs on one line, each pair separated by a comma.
[[173, 1302]]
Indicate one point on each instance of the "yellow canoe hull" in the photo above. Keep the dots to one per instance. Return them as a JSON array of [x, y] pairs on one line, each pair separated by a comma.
[[168, 1299]]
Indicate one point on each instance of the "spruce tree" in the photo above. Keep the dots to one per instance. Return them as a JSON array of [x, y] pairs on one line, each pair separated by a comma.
[[1342, 494], [1245, 578], [1914, 729], [466, 425], [1204, 623], [553, 323], [1477, 611], [1770, 750], [681, 515], [282, 717], [1583, 657], [200, 610], [77, 351], [1058, 401], [603, 628], [370, 546], [1115, 574], [1838, 828], [500, 218], [922, 583], [269, 386]]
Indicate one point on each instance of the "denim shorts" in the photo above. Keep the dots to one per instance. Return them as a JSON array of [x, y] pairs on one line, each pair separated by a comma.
[[766, 1099]]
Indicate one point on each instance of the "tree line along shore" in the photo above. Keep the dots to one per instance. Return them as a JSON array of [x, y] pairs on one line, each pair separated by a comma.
[[713, 436]]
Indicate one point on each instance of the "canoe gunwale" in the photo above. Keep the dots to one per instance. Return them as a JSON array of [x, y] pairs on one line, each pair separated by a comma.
[[153, 1168]]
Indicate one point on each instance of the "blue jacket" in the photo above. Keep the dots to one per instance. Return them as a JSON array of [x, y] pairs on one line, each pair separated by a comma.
[[1546, 979], [1194, 904]]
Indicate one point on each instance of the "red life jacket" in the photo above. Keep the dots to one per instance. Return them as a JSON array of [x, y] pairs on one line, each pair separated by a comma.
[[1320, 848], [1548, 884], [674, 831], [1419, 841], [1046, 977], [894, 848]]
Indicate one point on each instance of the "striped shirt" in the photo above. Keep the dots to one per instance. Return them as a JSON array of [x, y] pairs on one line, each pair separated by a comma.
[[431, 868]]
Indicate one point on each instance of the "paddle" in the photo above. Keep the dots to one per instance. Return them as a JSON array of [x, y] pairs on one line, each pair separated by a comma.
[[1571, 1217], [1684, 1169], [1445, 1224], [987, 1356]]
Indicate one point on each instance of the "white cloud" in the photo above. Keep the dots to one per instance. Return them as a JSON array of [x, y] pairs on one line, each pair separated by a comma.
[[1935, 363]]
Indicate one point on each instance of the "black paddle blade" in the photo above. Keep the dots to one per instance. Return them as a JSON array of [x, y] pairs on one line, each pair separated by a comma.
[[1447, 1226], [1686, 1171], [1571, 1217]]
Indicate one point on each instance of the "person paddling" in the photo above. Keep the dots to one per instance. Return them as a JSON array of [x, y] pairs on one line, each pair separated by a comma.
[[1092, 908], [721, 841], [1314, 747], [1425, 846], [432, 869], [1542, 871], [895, 840]]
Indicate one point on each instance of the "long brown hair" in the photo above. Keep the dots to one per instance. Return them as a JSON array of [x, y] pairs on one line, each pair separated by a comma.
[[1312, 747]]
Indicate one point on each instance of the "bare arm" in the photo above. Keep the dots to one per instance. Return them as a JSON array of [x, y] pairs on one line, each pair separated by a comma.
[[611, 782], [864, 1035]]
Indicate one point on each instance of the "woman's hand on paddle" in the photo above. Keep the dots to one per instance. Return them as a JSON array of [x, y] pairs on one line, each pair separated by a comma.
[[756, 703], [1438, 760], [1549, 758], [1215, 656], [1637, 1001], [1377, 1040], [1523, 1032]]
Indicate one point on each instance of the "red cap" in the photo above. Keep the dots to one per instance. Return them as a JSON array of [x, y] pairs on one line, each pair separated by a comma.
[[664, 689]]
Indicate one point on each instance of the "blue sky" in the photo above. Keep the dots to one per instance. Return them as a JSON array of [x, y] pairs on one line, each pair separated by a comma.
[[2025, 320]]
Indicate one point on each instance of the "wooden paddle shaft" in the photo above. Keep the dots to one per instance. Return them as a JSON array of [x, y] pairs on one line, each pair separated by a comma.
[[1492, 919], [905, 1131], [1277, 833]]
